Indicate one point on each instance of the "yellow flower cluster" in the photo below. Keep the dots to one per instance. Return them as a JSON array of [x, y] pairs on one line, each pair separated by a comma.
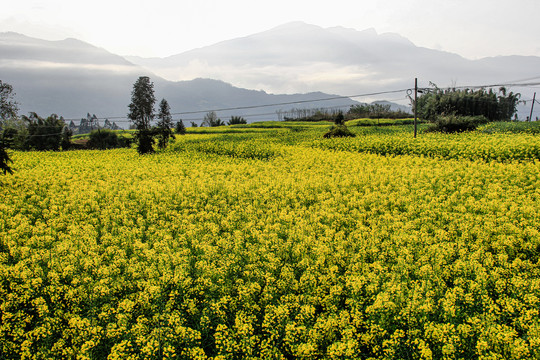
[[469, 146], [258, 246]]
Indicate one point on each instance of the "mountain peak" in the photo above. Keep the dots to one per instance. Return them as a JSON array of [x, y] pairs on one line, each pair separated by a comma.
[[75, 43], [295, 25], [368, 31], [295, 57], [13, 36], [347, 30]]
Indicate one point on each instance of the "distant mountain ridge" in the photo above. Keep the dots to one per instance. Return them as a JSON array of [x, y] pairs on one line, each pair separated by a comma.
[[23, 48], [306, 62], [299, 57], [72, 78]]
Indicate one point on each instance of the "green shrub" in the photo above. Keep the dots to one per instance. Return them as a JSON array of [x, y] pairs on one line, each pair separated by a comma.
[[44, 134], [339, 119], [211, 120], [467, 102], [339, 131], [453, 123], [4, 157], [180, 128], [237, 120], [66, 138], [107, 139]]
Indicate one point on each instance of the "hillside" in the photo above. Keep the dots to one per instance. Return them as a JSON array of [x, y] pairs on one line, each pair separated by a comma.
[[298, 57], [72, 78], [298, 60]]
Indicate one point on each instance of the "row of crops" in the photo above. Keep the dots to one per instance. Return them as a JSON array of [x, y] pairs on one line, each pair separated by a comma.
[[272, 243], [468, 146]]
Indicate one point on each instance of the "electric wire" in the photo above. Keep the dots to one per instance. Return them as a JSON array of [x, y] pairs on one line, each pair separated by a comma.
[[513, 83]]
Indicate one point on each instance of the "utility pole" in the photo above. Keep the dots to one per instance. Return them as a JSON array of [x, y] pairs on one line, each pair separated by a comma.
[[415, 101], [532, 106]]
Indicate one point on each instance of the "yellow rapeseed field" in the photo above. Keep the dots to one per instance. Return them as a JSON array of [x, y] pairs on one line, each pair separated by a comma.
[[275, 245]]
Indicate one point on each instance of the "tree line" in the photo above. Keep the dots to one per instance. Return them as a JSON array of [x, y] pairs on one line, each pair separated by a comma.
[[34, 132], [90, 123], [468, 102], [456, 110], [449, 110], [371, 111]]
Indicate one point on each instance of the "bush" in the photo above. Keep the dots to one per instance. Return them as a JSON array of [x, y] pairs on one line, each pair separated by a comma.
[[339, 119], [107, 139], [66, 138], [9, 135], [212, 120], [453, 123], [339, 131], [180, 128], [44, 134], [15, 133], [376, 111], [4, 157], [467, 102], [237, 120]]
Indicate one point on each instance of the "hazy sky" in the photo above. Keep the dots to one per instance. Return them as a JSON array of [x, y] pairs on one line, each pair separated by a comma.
[[471, 28]]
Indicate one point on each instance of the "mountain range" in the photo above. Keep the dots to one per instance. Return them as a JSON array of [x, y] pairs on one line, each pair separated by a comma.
[[72, 78], [294, 64], [298, 57]]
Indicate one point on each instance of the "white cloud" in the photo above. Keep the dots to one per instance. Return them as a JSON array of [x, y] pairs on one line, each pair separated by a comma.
[[38, 64], [281, 79], [163, 27]]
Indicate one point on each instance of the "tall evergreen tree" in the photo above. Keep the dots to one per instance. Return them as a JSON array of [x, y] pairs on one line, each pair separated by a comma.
[[180, 127], [164, 124], [141, 112]]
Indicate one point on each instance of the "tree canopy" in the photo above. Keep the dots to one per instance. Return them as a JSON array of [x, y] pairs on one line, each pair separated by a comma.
[[8, 106], [4, 157], [237, 120], [8, 110], [180, 128], [44, 133], [211, 120], [141, 112], [165, 124], [468, 102]]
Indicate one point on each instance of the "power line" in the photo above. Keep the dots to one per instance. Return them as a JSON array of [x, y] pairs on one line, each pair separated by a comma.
[[509, 84], [243, 115], [355, 96], [264, 105], [514, 83], [527, 79], [290, 102]]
